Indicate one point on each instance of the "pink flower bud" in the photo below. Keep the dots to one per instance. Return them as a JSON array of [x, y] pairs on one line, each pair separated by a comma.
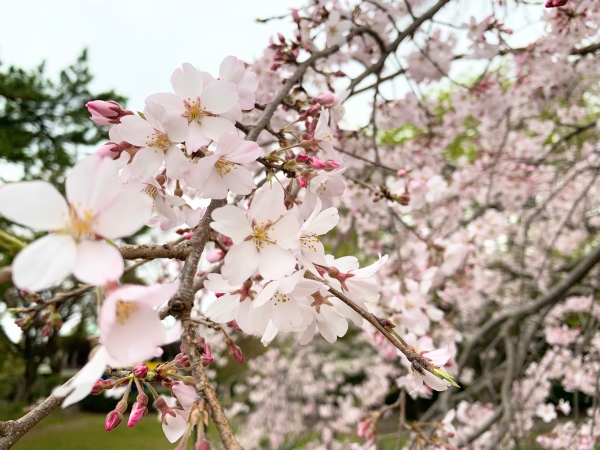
[[138, 411], [296, 16], [555, 3], [98, 387], [302, 157], [401, 173], [310, 112], [108, 150], [235, 351], [202, 445], [227, 242], [330, 165], [302, 182], [215, 255], [113, 419], [315, 162], [326, 99], [233, 324], [106, 113], [140, 371]]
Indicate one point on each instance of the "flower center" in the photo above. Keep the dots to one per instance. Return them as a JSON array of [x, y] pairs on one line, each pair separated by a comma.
[[260, 237], [309, 242], [194, 111], [158, 140], [322, 187], [125, 310], [223, 166], [81, 227], [279, 298]]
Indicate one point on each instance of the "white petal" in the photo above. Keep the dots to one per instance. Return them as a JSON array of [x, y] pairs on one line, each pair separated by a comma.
[[135, 130], [267, 204], [269, 334], [34, 204], [219, 97], [239, 180], [266, 294], [286, 315], [215, 187], [324, 222], [222, 309], [44, 262], [338, 324], [307, 335], [196, 138], [275, 262], [175, 426], [176, 128], [125, 215], [216, 283], [81, 385], [169, 101], [231, 221], [215, 127], [98, 263], [187, 82], [241, 262], [176, 162], [147, 162], [199, 172], [286, 232]]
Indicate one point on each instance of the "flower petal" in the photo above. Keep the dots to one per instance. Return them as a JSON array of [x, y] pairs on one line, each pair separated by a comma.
[[241, 262], [238, 180], [97, 263], [187, 82], [34, 204], [222, 309], [176, 162], [44, 262], [215, 127], [275, 262], [219, 96], [215, 187], [286, 232], [231, 221], [125, 215], [147, 162]]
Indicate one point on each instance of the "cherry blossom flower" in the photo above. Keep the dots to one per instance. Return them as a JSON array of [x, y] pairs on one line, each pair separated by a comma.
[[130, 328], [234, 70], [336, 28], [439, 358], [97, 207], [318, 223], [200, 105], [546, 412], [262, 238], [220, 172], [325, 186], [344, 273], [158, 135]]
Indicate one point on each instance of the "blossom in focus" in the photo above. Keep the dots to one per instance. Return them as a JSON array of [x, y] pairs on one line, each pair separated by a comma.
[[97, 206], [359, 284], [318, 223], [262, 238], [220, 172], [158, 136], [439, 358], [325, 186], [234, 70], [200, 105], [106, 112]]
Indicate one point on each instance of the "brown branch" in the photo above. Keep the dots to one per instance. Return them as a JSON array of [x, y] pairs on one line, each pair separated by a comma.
[[179, 251], [13, 430]]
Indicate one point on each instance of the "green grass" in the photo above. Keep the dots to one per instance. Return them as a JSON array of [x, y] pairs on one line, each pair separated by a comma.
[[72, 430]]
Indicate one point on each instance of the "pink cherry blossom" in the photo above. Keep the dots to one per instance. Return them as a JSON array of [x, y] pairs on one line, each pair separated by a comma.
[[97, 207], [336, 28], [200, 105], [317, 224], [220, 172]]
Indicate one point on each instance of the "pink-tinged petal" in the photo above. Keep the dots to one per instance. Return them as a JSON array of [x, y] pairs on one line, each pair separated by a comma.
[[44, 262], [174, 333], [216, 283], [81, 385], [215, 187], [435, 383], [235, 114], [275, 262], [169, 101], [125, 215], [176, 128], [175, 426], [266, 294], [214, 127], [222, 309], [135, 130], [267, 204], [286, 232], [92, 185], [246, 152], [241, 262], [97, 263], [186, 395], [147, 162], [231, 69], [136, 333], [187, 82], [369, 271], [231, 221], [159, 294], [207, 78], [219, 97], [176, 162], [199, 172], [34, 204], [155, 114], [288, 284], [239, 181], [440, 356], [196, 138], [345, 311], [338, 325], [250, 319]]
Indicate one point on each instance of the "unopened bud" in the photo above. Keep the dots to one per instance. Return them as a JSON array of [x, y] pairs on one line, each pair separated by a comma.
[[106, 113], [113, 419], [215, 255], [315, 163], [202, 445], [302, 182], [98, 387], [330, 165], [235, 351], [327, 99], [302, 158], [401, 173], [138, 411], [140, 371], [296, 16]]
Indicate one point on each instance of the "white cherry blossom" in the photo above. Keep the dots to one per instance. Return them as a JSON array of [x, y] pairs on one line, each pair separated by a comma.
[[262, 238], [98, 206]]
